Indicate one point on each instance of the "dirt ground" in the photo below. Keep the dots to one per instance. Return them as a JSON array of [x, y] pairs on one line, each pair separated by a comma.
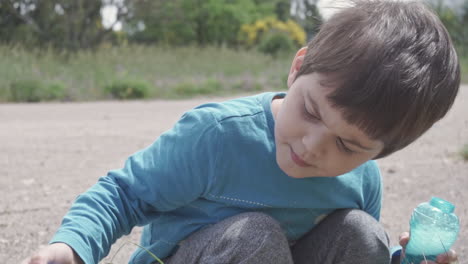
[[49, 153]]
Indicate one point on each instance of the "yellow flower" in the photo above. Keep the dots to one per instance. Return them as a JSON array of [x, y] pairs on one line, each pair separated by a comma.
[[250, 34]]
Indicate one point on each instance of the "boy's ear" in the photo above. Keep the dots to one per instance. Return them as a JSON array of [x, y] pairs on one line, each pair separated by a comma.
[[296, 65]]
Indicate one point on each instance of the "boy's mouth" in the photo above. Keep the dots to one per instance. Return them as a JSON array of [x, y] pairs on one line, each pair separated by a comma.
[[300, 162]]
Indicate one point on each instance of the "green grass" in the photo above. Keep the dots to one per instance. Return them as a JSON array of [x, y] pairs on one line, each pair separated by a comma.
[[160, 72], [137, 245], [464, 152], [464, 69], [139, 72]]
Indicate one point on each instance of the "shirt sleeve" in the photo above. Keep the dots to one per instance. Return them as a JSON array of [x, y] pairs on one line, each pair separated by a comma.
[[174, 171], [373, 190]]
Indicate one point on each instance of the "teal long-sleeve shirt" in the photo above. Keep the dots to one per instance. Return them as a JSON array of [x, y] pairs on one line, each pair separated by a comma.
[[217, 161]]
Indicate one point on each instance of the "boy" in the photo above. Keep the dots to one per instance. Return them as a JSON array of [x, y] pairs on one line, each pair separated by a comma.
[[278, 178]]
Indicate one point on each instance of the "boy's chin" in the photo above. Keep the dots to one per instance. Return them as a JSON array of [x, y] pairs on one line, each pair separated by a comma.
[[308, 174], [301, 175]]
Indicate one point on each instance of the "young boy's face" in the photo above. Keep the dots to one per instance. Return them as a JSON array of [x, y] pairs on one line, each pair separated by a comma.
[[312, 139]]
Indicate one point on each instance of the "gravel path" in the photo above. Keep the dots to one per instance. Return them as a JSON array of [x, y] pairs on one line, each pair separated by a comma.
[[49, 153]]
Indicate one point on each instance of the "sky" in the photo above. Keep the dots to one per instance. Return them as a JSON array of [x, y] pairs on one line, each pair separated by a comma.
[[328, 7], [109, 15]]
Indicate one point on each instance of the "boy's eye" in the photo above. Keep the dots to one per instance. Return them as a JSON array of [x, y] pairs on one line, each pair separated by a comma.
[[343, 147], [309, 115]]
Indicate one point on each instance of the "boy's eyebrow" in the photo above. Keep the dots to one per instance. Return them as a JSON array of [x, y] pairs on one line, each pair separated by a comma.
[[349, 141]]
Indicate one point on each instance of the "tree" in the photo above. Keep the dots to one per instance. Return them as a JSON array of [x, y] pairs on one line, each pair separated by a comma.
[[454, 23], [464, 29], [283, 9], [69, 25], [308, 16], [181, 22], [162, 21], [11, 26]]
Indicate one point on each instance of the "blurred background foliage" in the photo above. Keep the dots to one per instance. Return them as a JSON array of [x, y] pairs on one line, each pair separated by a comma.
[[71, 50], [75, 25]]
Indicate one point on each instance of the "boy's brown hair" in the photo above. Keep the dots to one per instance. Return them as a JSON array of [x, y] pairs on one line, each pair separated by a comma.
[[393, 66]]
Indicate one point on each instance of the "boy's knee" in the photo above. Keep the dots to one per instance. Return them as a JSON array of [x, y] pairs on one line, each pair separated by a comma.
[[251, 225], [361, 228], [359, 221], [250, 238]]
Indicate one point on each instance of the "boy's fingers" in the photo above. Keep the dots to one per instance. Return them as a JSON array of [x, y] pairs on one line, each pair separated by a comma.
[[38, 260], [403, 239], [449, 257], [31, 260], [25, 261]]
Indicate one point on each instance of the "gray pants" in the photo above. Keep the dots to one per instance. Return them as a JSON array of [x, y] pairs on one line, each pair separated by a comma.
[[345, 236]]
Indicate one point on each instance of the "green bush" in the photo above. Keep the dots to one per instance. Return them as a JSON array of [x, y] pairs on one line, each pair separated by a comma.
[[464, 152], [247, 85], [210, 86], [86, 74], [284, 79], [36, 91], [276, 43], [26, 90], [128, 89], [54, 91], [464, 69]]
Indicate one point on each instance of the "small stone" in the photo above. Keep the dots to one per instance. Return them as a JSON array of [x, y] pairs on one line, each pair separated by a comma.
[[28, 182]]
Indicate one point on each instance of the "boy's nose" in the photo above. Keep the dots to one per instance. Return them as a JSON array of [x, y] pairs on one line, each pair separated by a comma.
[[316, 143]]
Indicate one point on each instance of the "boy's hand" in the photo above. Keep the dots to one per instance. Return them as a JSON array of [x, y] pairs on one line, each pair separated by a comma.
[[57, 253], [447, 258]]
